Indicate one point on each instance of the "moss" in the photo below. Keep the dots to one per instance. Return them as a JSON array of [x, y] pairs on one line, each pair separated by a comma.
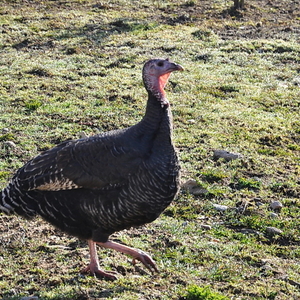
[[203, 293], [7, 137]]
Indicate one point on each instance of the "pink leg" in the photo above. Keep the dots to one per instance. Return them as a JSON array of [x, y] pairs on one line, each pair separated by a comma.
[[136, 254], [94, 267]]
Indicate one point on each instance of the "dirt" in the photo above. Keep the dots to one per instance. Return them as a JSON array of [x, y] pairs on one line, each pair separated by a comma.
[[258, 20]]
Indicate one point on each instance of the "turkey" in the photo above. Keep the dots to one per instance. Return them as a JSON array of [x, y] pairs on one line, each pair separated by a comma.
[[93, 187]]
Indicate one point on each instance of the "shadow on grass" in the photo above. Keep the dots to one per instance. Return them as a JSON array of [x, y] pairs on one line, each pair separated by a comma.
[[75, 293], [90, 32]]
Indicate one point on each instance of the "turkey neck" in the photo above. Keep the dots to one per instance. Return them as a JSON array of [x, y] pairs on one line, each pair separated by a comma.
[[157, 120]]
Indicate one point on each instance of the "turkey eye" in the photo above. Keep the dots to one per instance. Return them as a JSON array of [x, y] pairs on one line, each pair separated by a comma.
[[160, 63]]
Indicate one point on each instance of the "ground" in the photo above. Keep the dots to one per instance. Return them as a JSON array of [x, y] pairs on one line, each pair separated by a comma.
[[73, 67]]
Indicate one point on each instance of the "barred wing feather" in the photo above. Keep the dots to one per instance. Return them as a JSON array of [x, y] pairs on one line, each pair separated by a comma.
[[93, 163]]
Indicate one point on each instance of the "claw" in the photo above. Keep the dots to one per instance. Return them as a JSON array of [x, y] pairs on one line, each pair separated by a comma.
[[146, 260], [136, 254], [94, 270]]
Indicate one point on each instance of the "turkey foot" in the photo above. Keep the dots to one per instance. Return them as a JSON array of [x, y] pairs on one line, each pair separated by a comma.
[[136, 254], [95, 270], [145, 259], [94, 267]]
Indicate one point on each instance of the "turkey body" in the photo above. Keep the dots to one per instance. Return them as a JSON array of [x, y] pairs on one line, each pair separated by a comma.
[[93, 187], [105, 183]]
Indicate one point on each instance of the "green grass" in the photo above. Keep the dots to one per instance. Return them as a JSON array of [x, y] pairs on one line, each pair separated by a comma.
[[75, 66], [197, 293]]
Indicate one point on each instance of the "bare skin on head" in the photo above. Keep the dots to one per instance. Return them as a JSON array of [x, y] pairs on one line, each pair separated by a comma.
[[156, 74]]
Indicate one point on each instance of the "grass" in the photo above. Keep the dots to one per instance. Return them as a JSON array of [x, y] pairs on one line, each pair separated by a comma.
[[75, 66], [196, 293]]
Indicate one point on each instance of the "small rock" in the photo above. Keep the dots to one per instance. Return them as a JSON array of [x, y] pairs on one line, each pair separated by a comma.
[[296, 81], [220, 207], [199, 191], [273, 215], [205, 226], [189, 183], [276, 205], [228, 156], [193, 187], [192, 121], [10, 144], [249, 231], [97, 131], [293, 282], [256, 179], [82, 135], [273, 230], [5, 130], [218, 223]]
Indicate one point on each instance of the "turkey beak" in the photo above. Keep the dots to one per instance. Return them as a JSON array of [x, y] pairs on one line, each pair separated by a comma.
[[177, 67]]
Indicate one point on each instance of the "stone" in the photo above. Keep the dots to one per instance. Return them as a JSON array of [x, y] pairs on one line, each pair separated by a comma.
[[273, 230], [228, 156], [83, 135], [5, 130], [276, 205], [220, 207], [192, 121], [10, 144], [273, 215], [250, 231], [205, 226], [194, 188]]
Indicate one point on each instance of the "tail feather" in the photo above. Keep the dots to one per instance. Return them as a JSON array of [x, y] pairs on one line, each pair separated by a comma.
[[6, 204], [13, 201]]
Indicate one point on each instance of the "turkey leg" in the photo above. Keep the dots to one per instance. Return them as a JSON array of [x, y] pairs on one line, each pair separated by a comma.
[[94, 267]]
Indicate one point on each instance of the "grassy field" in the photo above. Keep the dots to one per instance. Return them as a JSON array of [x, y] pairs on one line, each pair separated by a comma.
[[72, 67]]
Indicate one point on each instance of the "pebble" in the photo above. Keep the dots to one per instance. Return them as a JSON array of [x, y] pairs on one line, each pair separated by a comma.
[[83, 135], [273, 230], [276, 205], [296, 81], [205, 226], [228, 156], [199, 191], [190, 183], [194, 188], [249, 231], [192, 121], [5, 130], [10, 144], [273, 215], [220, 207]]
